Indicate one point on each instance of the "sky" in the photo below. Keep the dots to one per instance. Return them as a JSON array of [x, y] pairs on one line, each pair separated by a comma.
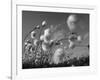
[[30, 19]]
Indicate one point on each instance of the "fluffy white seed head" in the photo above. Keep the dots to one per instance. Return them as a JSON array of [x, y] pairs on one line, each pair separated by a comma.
[[33, 33], [51, 41], [46, 36], [37, 26], [46, 40], [56, 57], [44, 47], [42, 37], [47, 32], [35, 42], [44, 23], [25, 43]]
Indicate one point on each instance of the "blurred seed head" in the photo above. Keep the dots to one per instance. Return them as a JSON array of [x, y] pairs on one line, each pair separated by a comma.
[[51, 41], [71, 45], [33, 34], [44, 23], [35, 42], [42, 37], [38, 27], [25, 43], [44, 47], [71, 22], [56, 56], [79, 38], [46, 36]]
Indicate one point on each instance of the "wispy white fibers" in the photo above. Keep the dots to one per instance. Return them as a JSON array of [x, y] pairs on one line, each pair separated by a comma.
[[56, 56]]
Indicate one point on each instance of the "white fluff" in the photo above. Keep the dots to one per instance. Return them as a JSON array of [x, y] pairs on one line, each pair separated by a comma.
[[47, 32], [44, 23], [37, 26], [42, 37], [27, 46], [51, 41], [56, 57], [71, 44], [33, 34], [44, 47], [35, 42], [25, 43], [46, 36]]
